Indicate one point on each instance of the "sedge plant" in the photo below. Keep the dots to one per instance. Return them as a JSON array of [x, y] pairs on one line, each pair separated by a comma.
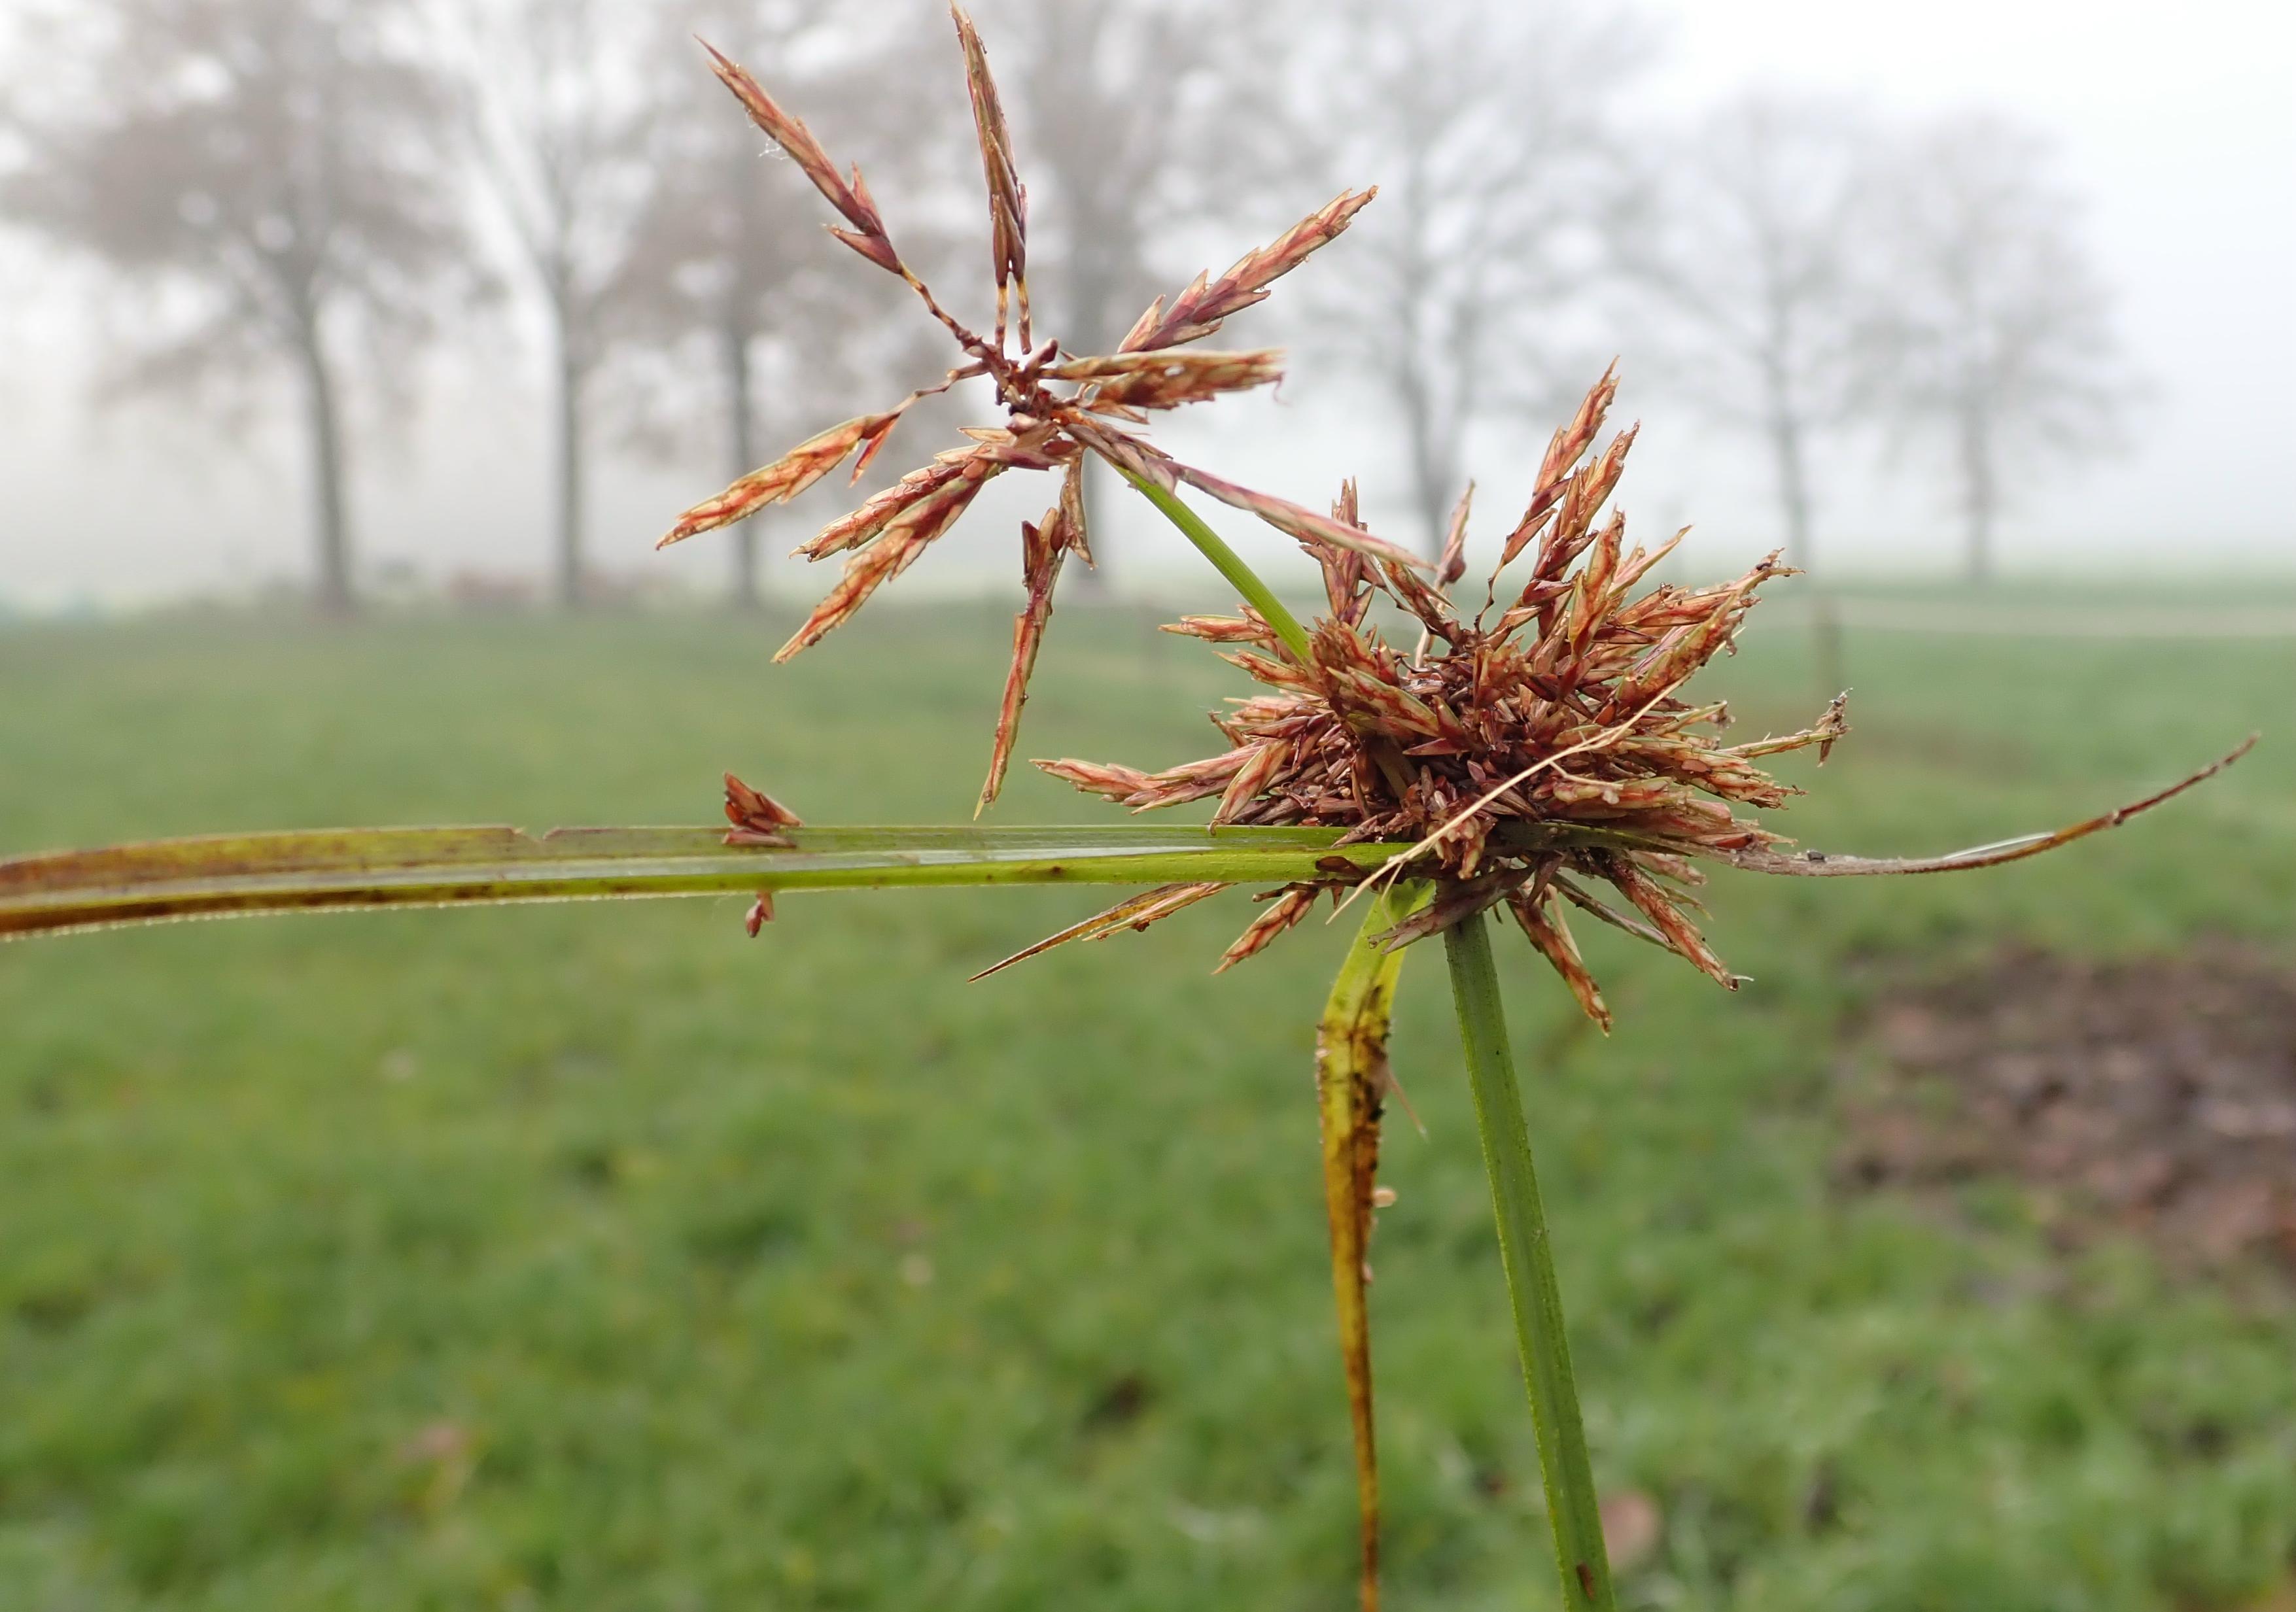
[[1530, 755]]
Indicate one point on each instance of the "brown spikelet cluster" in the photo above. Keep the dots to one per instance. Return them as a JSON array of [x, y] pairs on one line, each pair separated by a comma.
[[1532, 753], [1057, 408]]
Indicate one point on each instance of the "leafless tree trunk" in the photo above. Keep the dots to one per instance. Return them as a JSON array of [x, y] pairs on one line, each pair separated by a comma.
[[1431, 433], [561, 141], [734, 340], [323, 443], [1789, 460], [566, 454], [1973, 451], [1098, 243]]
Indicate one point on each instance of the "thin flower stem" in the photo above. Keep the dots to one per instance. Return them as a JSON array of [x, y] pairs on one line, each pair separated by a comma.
[[1524, 1250], [1229, 563]]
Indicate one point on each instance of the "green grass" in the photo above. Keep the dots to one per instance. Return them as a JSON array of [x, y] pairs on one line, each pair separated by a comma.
[[801, 1274]]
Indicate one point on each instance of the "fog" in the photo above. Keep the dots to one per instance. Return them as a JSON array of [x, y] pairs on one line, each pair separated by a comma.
[[2175, 144]]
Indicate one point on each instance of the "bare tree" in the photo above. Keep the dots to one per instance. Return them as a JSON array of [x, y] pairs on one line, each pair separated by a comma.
[[1748, 233], [556, 109], [1488, 127], [264, 172], [728, 270], [1996, 339]]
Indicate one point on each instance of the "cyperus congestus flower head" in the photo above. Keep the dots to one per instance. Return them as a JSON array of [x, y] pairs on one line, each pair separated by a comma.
[[1057, 408], [1544, 752]]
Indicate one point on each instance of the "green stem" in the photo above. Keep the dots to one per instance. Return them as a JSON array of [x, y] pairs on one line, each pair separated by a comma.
[[1229, 563], [1524, 1249], [317, 870]]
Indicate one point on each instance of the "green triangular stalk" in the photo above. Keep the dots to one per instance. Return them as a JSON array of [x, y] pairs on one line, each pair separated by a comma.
[[1229, 564], [1571, 1507]]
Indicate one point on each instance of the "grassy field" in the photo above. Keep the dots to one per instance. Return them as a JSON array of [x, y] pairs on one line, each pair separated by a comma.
[[591, 1256]]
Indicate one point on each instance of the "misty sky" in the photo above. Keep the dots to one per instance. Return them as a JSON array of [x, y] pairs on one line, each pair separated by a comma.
[[2178, 125]]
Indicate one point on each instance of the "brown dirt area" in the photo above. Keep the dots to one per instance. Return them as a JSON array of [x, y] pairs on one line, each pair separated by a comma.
[[2156, 1096]]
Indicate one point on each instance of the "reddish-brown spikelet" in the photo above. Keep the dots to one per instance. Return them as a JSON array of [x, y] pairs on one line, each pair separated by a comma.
[[1222, 629], [1294, 520], [1008, 203], [1170, 377], [1133, 912], [1451, 560], [784, 478], [904, 538], [1110, 782], [1564, 451], [1288, 907], [850, 199], [1043, 547], [1197, 311], [863, 525], [1542, 921]]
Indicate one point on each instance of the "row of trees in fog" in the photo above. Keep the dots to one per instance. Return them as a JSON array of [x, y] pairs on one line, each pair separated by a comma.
[[293, 202]]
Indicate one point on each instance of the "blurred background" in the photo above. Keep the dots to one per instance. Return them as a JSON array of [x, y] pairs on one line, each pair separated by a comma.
[[353, 354], [435, 299]]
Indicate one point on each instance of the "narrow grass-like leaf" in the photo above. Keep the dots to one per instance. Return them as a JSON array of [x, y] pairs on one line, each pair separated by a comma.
[[320, 870], [1820, 865]]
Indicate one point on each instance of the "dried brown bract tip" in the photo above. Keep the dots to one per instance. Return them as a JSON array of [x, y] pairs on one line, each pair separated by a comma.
[[1530, 754], [1056, 408], [758, 820]]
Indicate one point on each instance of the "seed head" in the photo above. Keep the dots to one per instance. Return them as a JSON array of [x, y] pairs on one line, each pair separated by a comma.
[[1056, 408], [1529, 752]]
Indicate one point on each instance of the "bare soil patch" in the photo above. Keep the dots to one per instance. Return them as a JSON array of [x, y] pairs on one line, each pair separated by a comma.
[[2156, 1096]]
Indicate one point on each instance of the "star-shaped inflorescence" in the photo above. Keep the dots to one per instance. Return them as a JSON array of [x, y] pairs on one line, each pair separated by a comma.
[[1057, 408]]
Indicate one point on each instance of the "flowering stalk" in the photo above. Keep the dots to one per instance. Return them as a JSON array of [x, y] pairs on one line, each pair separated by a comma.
[[1524, 1249], [1229, 563]]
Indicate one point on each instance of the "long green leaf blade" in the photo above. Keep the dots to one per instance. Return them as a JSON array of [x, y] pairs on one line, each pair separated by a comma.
[[335, 869]]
